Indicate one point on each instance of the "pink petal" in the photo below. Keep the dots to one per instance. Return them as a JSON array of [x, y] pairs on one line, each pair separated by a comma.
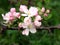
[[36, 23], [37, 18], [33, 11], [12, 10], [27, 20], [23, 14], [23, 8], [32, 30], [17, 15], [25, 32]]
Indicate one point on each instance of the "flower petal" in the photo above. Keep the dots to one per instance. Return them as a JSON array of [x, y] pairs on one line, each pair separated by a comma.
[[32, 30], [24, 25], [23, 8], [26, 32], [27, 20], [33, 11], [36, 23], [37, 18], [23, 14], [12, 10]]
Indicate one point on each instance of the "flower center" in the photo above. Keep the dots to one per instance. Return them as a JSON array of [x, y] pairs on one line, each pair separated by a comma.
[[30, 26], [28, 13]]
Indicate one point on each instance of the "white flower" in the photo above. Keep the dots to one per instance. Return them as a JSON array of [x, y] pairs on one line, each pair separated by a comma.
[[31, 12], [28, 27]]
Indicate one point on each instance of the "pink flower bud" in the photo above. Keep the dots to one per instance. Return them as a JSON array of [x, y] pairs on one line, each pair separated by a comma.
[[43, 9], [12, 10], [45, 14]]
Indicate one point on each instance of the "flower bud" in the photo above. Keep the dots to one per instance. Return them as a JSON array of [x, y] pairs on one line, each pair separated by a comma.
[[20, 25], [43, 9], [47, 11], [45, 14], [12, 10]]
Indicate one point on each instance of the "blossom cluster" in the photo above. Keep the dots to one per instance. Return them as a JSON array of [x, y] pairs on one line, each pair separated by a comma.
[[28, 23]]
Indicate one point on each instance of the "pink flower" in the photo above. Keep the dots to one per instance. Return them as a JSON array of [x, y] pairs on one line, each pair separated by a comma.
[[43, 9], [26, 32], [12, 10], [8, 17], [11, 16], [37, 18], [31, 12], [29, 26], [14, 13], [36, 23]]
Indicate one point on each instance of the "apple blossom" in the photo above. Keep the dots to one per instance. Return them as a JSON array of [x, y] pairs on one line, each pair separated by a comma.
[[31, 12], [29, 26], [8, 17]]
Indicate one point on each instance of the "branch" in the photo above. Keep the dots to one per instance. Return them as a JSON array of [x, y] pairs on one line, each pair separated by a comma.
[[38, 28], [29, 3]]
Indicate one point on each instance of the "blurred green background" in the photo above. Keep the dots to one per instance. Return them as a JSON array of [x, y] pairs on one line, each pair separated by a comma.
[[42, 37]]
